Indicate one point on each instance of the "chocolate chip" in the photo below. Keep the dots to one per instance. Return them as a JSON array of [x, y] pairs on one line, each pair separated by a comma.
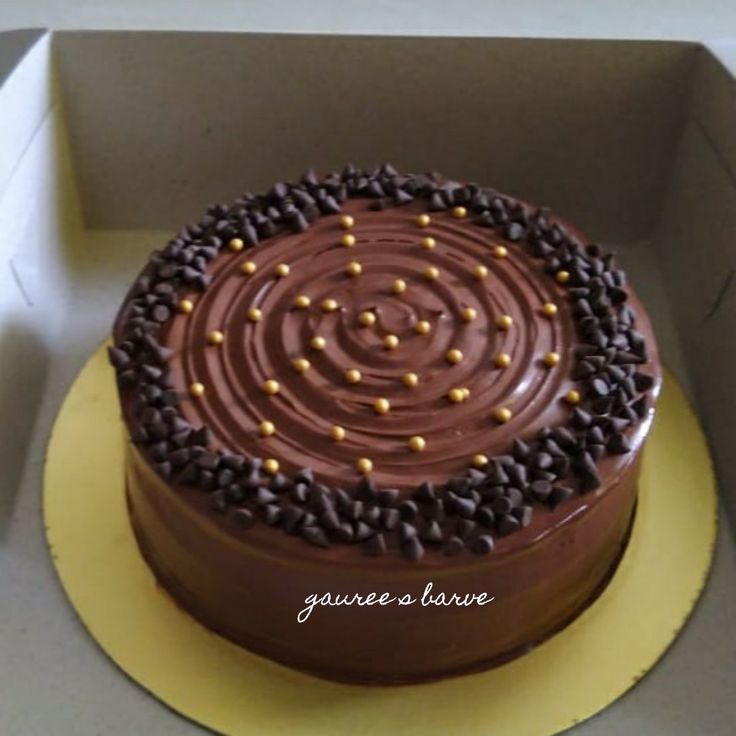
[[518, 475], [305, 476], [515, 496], [588, 472], [497, 475], [412, 549], [406, 531], [482, 545], [432, 533], [540, 490], [514, 231], [375, 546], [541, 460], [408, 509], [464, 507], [618, 444], [453, 546], [485, 517], [390, 518], [559, 495], [264, 496], [464, 528], [208, 460], [388, 496], [119, 358], [425, 492], [272, 514], [523, 514], [640, 407], [371, 516], [366, 490], [520, 450], [507, 524], [315, 535], [291, 518], [643, 382], [243, 518], [502, 505]]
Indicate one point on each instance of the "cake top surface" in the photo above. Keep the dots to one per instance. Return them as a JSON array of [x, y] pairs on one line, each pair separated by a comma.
[[398, 361]]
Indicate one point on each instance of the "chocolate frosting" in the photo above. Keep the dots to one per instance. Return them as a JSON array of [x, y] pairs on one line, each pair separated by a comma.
[[308, 404]]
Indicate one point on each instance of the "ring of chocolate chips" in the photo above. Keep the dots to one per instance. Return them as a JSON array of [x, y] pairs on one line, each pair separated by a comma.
[[468, 511]]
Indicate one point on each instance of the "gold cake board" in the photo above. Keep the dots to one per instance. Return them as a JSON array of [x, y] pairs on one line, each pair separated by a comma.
[[567, 679]]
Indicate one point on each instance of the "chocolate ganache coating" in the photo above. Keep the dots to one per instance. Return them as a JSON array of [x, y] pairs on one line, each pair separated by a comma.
[[384, 363]]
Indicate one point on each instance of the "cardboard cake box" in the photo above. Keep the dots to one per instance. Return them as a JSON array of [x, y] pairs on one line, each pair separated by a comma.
[[109, 141]]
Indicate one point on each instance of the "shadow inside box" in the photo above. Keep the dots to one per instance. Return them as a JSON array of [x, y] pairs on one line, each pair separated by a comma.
[[24, 365]]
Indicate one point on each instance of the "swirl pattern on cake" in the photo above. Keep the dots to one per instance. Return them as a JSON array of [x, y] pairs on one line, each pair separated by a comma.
[[495, 365]]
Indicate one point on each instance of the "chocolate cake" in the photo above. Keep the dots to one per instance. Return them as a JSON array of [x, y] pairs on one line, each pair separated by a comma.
[[364, 382]]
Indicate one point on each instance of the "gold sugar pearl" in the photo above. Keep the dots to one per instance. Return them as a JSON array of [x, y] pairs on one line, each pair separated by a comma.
[[364, 465], [282, 270], [271, 465], [504, 321], [254, 314], [459, 212], [266, 428], [353, 375], [329, 305], [502, 415], [248, 268], [454, 356], [431, 273], [186, 306], [466, 392], [424, 220], [480, 460], [456, 395], [551, 359], [423, 327], [337, 433], [500, 251], [390, 342], [562, 277], [468, 314], [549, 309], [236, 244], [301, 365], [410, 379], [302, 301], [399, 286], [271, 387], [417, 443], [367, 318], [346, 222], [196, 389], [318, 343], [480, 271], [354, 269], [428, 243], [503, 360], [572, 397], [382, 406], [347, 240], [215, 337]]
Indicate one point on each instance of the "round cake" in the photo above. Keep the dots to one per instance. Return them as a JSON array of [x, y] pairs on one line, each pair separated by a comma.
[[383, 427]]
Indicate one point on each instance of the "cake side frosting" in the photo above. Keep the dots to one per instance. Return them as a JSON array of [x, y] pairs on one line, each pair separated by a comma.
[[385, 362]]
